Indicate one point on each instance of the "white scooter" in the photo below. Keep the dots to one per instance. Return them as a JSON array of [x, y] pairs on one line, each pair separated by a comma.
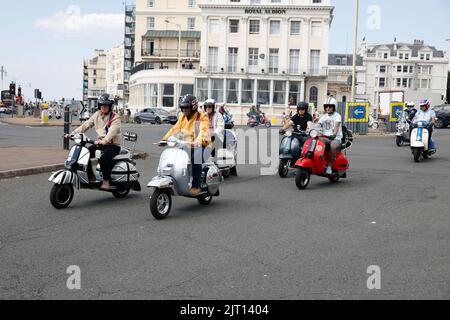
[[124, 175], [419, 141], [227, 156], [175, 178], [373, 122]]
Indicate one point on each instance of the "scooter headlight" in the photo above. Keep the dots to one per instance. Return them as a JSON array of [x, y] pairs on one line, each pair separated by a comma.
[[78, 138], [313, 134]]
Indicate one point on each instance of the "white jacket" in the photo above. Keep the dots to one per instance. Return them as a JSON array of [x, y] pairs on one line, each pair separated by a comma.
[[218, 126]]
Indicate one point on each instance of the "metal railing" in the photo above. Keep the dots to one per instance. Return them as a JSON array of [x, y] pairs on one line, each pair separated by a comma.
[[171, 53]]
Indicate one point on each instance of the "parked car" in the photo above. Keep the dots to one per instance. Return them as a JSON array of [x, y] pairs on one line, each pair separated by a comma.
[[443, 116], [154, 116]]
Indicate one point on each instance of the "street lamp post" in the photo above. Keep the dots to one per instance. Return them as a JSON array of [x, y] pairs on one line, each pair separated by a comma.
[[355, 50], [179, 58]]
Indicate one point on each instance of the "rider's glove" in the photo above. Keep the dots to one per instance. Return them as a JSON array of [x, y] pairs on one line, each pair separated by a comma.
[[282, 131]]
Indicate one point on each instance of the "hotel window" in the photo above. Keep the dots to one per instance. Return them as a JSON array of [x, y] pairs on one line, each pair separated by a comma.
[[232, 91], [212, 59], [234, 26], [191, 24], [294, 93], [275, 26], [428, 57], [253, 56], [405, 82], [399, 82], [192, 3], [254, 27], [315, 62], [316, 29], [279, 92], [422, 56], [150, 23], [232, 59], [217, 90], [405, 69], [168, 95], [214, 26], [247, 91], [263, 94], [294, 61], [314, 95], [151, 3], [273, 60], [202, 89], [382, 82], [382, 69], [295, 27], [411, 69]]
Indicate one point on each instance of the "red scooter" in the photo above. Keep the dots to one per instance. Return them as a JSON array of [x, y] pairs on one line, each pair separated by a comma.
[[314, 159], [253, 121]]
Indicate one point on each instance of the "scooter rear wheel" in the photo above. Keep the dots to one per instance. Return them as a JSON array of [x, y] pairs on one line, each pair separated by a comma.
[[204, 201], [160, 204], [61, 196], [416, 154], [302, 179], [121, 193], [268, 125]]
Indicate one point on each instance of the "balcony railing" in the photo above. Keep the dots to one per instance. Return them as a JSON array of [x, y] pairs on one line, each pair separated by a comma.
[[130, 30], [153, 66], [171, 53]]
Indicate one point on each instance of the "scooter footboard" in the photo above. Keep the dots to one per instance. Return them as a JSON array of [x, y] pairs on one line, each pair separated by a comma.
[[62, 177], [161, 183]]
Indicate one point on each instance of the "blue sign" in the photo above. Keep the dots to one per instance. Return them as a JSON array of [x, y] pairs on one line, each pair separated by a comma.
[[359, 112], [398, 111]]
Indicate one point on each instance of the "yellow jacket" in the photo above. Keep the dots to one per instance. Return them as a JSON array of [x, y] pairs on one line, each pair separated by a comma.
[[188, 128], [99, 122]]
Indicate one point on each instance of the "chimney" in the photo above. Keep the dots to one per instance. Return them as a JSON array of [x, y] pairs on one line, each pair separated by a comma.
[[419, 42], [395, 44]]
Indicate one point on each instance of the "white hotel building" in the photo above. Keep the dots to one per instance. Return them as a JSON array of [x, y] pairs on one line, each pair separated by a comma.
[[156, 80], [242, 53], [267, 52]]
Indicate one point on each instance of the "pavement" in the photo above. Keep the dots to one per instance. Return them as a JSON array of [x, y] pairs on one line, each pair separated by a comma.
[[34, 159], [35, 122]]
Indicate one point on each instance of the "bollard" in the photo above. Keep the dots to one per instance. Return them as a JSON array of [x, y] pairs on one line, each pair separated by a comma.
[[66, 126]]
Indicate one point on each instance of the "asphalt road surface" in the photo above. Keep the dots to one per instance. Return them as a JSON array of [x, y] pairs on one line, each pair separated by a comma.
[[261, 239]]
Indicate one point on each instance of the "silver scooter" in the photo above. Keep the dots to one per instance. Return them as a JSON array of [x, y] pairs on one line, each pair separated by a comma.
[[124, 175], [175, 178]]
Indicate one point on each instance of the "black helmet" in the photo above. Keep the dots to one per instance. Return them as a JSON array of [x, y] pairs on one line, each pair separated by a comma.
[[302, 106], [188, 101], [105, 100]]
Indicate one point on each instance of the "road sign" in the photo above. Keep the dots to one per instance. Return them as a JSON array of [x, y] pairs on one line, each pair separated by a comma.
[[357, 112], [397, 109]]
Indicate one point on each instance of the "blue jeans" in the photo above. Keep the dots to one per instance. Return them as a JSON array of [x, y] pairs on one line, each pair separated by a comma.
[[198, 157]]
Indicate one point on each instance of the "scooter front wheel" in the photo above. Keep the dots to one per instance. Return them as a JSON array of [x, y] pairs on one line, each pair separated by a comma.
[[160, 204], [302, 178], [61, 196], [268, 125], [283, 169], [399, 141], [375, 125]]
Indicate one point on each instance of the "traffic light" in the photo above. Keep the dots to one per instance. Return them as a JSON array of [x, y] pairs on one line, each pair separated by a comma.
[[12, 89], [19, 91]]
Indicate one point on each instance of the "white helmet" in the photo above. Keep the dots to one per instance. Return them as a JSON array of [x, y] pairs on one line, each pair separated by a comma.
[[410, 104], [330, 101]]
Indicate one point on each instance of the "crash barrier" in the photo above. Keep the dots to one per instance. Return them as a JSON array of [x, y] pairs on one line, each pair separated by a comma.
[[395, 114], [355, 116]]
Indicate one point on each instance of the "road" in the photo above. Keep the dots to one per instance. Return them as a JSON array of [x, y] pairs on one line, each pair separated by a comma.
[[261, 239]]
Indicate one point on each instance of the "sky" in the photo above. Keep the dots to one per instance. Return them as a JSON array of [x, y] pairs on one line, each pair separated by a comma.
[[46, 41]]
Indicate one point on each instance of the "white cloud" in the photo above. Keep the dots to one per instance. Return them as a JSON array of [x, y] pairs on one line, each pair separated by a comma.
[[72, 23]]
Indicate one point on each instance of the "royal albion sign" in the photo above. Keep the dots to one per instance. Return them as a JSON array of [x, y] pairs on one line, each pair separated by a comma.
[[265, 11]]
